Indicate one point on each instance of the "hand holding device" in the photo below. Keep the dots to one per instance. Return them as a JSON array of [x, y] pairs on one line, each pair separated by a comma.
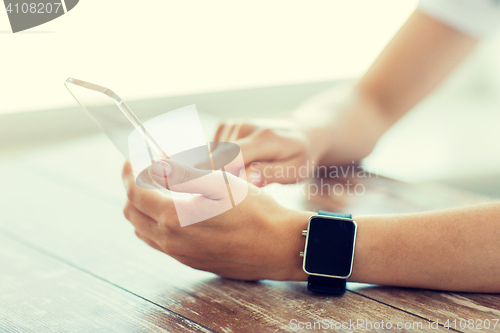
[[257, 239]]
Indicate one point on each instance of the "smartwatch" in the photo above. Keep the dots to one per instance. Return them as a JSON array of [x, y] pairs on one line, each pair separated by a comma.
[[329, 251]]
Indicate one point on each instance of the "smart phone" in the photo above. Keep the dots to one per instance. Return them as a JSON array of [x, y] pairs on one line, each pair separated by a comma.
[[113, 116]]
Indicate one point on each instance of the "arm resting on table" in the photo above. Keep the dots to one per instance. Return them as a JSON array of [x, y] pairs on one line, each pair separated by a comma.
[[455, 249]]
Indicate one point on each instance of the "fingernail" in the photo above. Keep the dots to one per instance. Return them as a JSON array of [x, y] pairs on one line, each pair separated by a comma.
[[161, 169], [242, 174], [255, 178]]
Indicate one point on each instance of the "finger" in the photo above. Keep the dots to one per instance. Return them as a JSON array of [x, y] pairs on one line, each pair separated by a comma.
[[181, 178], [168, 173], [234, 133], [270, 145], [228, 157], [283, 172], [152, 203], [226, 132], [148, 241], [255, 149], [244, 130], [217, 136], [231, 132], [218, 133], [143, 223]]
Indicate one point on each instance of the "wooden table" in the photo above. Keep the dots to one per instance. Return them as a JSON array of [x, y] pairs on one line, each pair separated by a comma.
[[70, 262]]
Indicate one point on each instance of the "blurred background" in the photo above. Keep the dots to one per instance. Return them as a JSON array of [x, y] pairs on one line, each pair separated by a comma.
[[245, 59]]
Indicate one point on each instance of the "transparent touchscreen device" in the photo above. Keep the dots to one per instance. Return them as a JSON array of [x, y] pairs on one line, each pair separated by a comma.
[[112, 116], [178, 132]]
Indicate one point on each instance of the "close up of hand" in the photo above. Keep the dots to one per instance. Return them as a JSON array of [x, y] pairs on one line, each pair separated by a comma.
[[257, 239], [272, 154]]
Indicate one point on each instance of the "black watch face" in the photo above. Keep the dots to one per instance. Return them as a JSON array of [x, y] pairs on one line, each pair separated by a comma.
[[330, 247]]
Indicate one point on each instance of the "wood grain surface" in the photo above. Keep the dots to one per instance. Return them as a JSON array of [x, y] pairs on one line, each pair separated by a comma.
[[41, 294], [64, 211]]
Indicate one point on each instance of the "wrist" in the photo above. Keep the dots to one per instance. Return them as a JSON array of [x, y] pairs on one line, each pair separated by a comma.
[[291, 232], [350, 137], [342, 129]]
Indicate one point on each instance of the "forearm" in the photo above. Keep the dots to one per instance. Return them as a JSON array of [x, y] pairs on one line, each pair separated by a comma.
[[344, 124], [419, 57], [456, 249]]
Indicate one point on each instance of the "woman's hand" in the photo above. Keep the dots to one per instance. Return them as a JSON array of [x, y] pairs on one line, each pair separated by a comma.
[[337, 127], [257, 239], [271, 153]]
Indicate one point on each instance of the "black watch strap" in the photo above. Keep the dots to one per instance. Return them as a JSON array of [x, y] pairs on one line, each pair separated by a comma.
[[325, 285], [328, 285]]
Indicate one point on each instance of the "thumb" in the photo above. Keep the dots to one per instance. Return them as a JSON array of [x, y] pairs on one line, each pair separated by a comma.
[[177, 177]]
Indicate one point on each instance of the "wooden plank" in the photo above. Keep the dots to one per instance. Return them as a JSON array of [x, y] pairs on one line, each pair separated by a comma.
[[463, 311], [92, 234], [237, 306], [41, 294]]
